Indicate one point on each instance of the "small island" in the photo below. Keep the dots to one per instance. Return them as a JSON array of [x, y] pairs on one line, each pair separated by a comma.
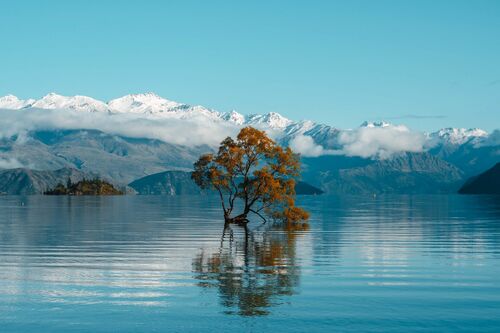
[[85, 187]]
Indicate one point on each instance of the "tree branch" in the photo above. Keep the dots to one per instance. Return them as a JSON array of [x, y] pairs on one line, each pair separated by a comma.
[[262, 217]]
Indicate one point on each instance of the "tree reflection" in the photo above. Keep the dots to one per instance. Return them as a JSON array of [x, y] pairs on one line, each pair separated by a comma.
[[251, 270]]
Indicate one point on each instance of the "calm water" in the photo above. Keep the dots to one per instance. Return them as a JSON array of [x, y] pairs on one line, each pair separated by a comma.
[[158, 264]]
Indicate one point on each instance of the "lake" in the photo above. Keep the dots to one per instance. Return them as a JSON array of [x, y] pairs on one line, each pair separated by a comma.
[[166, 264]]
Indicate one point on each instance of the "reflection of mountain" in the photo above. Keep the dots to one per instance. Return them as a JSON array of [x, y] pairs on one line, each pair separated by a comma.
[[250, 271], [374, 228]]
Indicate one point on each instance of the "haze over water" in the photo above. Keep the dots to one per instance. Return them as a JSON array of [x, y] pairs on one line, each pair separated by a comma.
[[146, 264]]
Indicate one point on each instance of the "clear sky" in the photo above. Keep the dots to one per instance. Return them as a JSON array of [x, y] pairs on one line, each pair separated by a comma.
[[427, 64]]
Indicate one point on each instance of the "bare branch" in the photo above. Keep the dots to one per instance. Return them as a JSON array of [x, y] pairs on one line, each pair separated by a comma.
[[262, 217]]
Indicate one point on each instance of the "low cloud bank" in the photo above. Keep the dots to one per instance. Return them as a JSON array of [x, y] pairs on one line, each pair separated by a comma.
[[381, 142], [367, 142], [188, 132], [306, 146]]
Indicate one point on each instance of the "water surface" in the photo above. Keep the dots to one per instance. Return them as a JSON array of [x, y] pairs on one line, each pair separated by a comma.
[[158, 264]]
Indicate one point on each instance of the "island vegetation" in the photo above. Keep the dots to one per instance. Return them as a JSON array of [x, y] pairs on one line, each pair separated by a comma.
[[256, 171], [85, 187]]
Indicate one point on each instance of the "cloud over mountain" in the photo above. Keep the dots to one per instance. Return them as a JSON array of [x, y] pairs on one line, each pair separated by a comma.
[[150, 116], [306, 146], [381, 142], [371, 140], [188, 132]]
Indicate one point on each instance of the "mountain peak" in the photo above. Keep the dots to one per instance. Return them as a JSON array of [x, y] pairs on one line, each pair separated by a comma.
[[9, 97], [458, 136], [12, 102], [149, 103], [78, 103], [234, 117], [272, 119]]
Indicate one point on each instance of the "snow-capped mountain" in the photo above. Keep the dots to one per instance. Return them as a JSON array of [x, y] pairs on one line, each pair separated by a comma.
[[148, 103], [272, 119], [234, 117], [459, 136], [11, 102], [152, 106], [77, 103]]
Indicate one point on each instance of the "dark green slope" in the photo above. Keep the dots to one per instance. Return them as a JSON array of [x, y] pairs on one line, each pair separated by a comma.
[[487, 182]]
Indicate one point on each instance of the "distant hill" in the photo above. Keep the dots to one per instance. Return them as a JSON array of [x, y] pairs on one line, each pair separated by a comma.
[[487, 182], [166, 183], [408, 173], [26, 182], [118, 159], [303, 188], [179, 182]]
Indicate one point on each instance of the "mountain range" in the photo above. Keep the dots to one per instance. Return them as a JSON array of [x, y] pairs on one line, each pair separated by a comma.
[[143, 134]]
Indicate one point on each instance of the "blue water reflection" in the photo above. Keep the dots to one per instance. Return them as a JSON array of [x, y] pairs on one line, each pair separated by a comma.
[[146, 264]]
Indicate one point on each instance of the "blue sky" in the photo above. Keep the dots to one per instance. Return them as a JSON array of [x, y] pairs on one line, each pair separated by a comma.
[[428, 64]]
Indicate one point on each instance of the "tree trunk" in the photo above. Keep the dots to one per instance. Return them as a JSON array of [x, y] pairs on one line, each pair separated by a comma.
[[239, 219]]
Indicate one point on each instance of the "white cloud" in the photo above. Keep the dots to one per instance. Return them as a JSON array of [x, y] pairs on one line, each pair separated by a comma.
[[381, 142], [197, 130], [306, 146], [367, 142]]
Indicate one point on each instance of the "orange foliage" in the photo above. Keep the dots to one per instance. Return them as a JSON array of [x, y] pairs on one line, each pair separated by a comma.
[[256, 170]]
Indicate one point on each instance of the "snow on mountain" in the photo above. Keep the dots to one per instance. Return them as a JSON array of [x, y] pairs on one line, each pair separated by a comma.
[[153, 106], [272, 119], [148, 103], [77, 103], [234, 117], [11, 102], [189, 112], [459, 136]]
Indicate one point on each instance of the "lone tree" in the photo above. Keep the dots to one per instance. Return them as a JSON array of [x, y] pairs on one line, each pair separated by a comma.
[[255, 170]]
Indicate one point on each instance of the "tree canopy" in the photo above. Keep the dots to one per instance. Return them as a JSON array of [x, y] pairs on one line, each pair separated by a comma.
[[256, 170]]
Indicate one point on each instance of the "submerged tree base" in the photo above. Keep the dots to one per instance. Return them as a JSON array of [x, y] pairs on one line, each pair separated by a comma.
[[240, 220]]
